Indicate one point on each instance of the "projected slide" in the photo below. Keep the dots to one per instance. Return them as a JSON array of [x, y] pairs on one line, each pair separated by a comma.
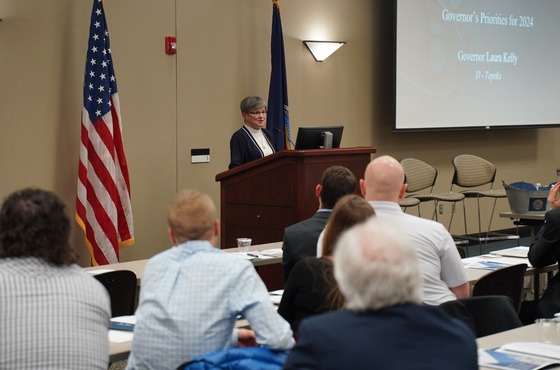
[[477, 63]]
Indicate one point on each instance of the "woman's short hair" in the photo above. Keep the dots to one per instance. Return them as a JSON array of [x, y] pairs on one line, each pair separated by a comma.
[[376, 267], [33, 223], [251, 103]]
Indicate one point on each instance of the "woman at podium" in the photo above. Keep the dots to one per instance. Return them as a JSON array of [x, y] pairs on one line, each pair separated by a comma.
[[252, 141]]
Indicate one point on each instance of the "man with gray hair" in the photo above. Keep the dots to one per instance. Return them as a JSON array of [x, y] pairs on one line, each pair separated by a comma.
[[385, 325]]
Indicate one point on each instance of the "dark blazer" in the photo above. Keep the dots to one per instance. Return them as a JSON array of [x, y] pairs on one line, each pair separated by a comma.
[[244, 149], [300, 240], [544, 251], [306, 292], [400, 337]]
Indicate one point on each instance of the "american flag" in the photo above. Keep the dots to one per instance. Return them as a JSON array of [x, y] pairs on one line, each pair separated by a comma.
[[103, 208]]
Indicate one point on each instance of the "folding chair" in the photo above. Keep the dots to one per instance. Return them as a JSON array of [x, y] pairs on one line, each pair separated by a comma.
[[472, 171], [122, 286], [506, 281]]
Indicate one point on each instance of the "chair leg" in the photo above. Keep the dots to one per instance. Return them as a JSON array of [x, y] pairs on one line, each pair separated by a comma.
[[492, 215], [450, 221], [434, 215], [465, 219], [480, 238]]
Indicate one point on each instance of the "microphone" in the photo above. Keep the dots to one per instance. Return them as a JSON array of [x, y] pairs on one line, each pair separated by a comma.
[[286, 136]]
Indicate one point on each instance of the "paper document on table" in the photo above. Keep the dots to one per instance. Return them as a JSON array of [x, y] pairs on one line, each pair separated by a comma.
[[120, 336], [520, 252], [491, 262], [251, 255], [123, 323], [522, 357], [241, 255], [276, 296], [486, 265], [273, 252], [259, 255], [551, 351], [275, 299], [98, 271]]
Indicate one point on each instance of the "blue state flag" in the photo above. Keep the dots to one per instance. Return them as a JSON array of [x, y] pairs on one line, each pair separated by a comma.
[[278, 118]]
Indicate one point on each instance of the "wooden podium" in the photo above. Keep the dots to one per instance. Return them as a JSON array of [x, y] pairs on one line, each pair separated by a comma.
[[261, 198]]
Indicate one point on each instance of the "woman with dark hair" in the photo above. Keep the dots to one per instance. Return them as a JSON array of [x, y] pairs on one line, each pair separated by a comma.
[[311, 288], [54, 315]]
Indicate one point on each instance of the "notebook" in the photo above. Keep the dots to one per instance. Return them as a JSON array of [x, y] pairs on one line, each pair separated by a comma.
[[520, 356]]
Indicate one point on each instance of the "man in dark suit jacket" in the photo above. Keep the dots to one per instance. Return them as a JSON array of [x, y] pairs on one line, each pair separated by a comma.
[[545, 250], [300, 239], [385, 325]]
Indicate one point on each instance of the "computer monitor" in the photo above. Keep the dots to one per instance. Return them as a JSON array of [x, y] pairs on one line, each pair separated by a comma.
[[319, 137]]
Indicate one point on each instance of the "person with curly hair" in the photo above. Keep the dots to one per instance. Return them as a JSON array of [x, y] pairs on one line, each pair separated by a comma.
[[53, 314]]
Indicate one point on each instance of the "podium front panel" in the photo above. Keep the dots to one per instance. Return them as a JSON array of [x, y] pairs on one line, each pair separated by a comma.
[[261, 198]]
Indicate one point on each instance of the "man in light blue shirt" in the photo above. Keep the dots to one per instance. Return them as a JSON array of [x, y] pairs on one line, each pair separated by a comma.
[[192, 294]]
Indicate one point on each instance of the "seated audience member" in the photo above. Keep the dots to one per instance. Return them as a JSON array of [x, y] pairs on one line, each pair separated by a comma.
[[53, 315], [311, 288], [545, 250], [300, 239], [193, 292], [443, 274], [384, 326], [252, 141]]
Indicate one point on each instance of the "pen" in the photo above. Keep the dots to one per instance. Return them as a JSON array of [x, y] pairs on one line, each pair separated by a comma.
[[252, 255]]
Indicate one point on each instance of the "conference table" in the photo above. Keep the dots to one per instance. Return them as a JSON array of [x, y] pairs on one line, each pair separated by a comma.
[[267, 254], [508, 256], [532, 219], [527, 333], [271, 253]]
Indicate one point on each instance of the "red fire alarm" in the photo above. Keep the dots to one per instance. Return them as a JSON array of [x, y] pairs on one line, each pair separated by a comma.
[[170, 45]]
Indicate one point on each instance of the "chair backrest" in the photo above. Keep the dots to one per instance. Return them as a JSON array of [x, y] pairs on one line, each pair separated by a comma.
[[506, 281], [122, 286], [419, 175], [484, 315], [472, 171]]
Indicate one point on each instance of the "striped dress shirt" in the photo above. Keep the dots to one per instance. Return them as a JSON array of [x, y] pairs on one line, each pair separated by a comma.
[[51, 317]]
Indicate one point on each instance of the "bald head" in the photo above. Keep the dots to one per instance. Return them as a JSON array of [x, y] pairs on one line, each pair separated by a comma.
[[383, 180]]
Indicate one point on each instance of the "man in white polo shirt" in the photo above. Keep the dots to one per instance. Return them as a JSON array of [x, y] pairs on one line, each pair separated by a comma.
[[444, 276]]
